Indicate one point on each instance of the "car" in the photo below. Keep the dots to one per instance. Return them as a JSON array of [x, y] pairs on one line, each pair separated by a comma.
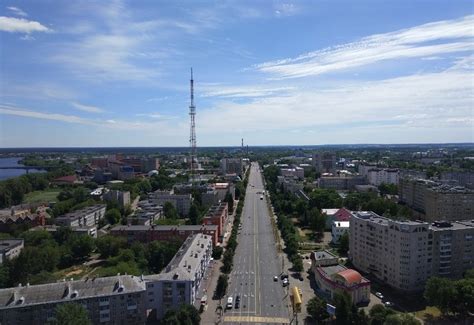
[[389, 304], [237, 298], [285, 282], [230, 303], [284, 276], [379, 295], [275, 278]]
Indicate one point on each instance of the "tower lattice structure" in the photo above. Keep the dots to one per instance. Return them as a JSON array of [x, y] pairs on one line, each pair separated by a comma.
[[192, 135]]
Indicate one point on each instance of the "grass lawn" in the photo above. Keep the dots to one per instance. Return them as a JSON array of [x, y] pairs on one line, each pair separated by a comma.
[[429, 312], [42, 196]]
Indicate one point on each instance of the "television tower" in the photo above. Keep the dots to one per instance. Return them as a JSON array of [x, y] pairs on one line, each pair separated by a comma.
[[192, 136]]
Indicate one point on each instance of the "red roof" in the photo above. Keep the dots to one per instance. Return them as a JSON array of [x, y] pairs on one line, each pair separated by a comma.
[[66, 179], [342, 215], [351, 276]]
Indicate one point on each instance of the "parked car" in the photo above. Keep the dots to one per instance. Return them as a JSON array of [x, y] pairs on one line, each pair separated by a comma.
[[379, 295], [230, 302], [389, 304], [275, 278], [285, 282], [284, 276]]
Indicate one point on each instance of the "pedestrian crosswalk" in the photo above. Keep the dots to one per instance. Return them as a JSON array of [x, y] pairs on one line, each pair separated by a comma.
[[256, 319]]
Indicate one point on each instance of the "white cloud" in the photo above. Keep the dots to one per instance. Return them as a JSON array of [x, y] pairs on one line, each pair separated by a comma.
[[87, 108], [429, 40], [20, 25], [46, 116], [286, 9], [243, 91], [17, 11]]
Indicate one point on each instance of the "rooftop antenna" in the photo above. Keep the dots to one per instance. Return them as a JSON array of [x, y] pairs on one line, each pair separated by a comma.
[[192, 136]]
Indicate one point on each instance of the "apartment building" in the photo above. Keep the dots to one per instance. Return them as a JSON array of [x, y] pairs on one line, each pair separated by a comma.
[[146, 234], [121, 197], [110, 300], [395, 252], [217, 215], [182, 202], [180, 281], [324, 162], [10, 248], [453, 248], [297, 172], [86, 217], [404, 254], [377, 176], [435, 201], [232, 166], [341, 183], [86, 230]]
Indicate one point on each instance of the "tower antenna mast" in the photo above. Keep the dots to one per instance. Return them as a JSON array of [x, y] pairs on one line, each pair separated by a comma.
[[192, 136]]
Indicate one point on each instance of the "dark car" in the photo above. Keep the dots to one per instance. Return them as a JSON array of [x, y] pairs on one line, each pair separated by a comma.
[[284, 276], [237, 304]]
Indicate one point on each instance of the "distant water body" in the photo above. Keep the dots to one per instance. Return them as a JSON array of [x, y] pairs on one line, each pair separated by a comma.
[[10, 173]]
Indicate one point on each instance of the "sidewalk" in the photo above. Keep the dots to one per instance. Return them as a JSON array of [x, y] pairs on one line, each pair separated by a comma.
[[212, 313]]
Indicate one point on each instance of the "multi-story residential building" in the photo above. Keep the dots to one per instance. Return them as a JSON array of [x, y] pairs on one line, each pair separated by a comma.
[[453, 248], [180, 281], [121, 197], [459, 178], [339, 228], [217, 215], [182, 202], [222, 189], [86, 230], [395, 252], [324, 162], [146, 213], [86, 217], [109, 300], [341, 183], [147, 234], [232, 166], [377, 176], [364, 168], [290, 184], [149, 164], [297, 172], [10, 248], [404, 254], [435, 201], [331, 277]]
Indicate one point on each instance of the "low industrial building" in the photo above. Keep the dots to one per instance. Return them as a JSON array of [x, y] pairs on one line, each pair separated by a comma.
[[332, 277]]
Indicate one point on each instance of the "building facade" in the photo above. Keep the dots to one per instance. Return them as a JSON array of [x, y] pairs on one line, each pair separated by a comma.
[[377, 176], [180, 281], [182, 202], [404, 254], [86, 217], [108, 300], [232, 166], [10, 248], [324, 162]]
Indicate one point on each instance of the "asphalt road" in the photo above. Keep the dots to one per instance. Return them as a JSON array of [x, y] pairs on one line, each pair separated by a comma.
[[256, 262]]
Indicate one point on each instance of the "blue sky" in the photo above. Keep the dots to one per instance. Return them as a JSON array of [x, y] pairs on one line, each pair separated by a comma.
[[116, 73]]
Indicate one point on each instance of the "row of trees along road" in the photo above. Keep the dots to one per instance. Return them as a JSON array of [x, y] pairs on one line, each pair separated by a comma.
[[222, 281]]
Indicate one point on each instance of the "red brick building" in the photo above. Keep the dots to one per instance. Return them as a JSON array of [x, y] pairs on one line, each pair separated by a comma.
[[217, 215]]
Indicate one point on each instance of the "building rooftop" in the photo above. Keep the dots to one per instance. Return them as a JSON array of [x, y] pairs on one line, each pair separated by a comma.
[[323, 255], [7, 244], [69, 290], [187, 260], [455, 225], [375, 218], [164, 227], [82, 212]]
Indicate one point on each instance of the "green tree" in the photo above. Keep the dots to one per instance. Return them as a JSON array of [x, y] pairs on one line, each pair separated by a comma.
[[71, 314], [343, 304], [170, 211], [317, 220], [401, 319], [316, 308], [113, 216], [378, 313], [230, 201], [194, 215], [110, 245], [439, 292], [82, 246], [221, 287], [217, 252], [344, 243]]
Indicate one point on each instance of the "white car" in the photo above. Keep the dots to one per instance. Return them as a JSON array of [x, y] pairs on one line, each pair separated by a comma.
[[389, 304], [379, 295], [230, 302]]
